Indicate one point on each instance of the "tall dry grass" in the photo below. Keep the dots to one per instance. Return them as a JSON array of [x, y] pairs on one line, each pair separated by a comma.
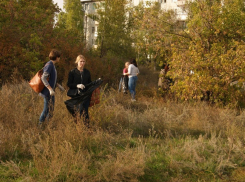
[[63, 150], [153, 139]]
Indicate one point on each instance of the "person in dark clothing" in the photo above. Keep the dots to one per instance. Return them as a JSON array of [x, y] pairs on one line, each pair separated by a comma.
[[82, 96], [78, 78]]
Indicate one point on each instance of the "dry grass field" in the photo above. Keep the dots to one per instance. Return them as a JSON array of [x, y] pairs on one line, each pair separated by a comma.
[[153, 139]]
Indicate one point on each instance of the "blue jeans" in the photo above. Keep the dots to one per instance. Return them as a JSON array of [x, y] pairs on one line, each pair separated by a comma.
[[132, 85], [47, 109]]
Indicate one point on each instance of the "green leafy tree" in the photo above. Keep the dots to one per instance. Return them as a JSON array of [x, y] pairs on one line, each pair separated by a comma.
[[155, 32], [72, 19], [115, 29]]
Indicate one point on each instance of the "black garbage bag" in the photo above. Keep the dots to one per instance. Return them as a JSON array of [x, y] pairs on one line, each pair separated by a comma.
[[125, 84], [82, 96]]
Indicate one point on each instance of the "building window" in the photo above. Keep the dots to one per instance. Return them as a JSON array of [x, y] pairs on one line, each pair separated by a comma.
[[165, 1], [93, 29], [85, 6], [93, 17]]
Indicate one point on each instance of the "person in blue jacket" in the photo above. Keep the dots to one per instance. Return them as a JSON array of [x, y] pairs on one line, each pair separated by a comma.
[[49, 79]]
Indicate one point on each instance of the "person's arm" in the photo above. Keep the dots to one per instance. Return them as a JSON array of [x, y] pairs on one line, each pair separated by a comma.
[[125, 71], [44, 78], [138, 71], [60, 87]]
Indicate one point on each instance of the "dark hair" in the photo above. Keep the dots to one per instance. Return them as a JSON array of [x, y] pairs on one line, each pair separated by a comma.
[[54, 54], [133, 61]]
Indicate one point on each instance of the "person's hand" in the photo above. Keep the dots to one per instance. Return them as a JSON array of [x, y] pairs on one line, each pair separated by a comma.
[[81, 86], [60, 87], [51, 91]]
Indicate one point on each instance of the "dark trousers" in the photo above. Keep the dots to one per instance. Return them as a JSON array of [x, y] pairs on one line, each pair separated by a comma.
[[83, 110]]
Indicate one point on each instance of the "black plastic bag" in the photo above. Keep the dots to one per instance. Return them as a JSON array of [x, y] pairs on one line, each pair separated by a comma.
[[82, 96]]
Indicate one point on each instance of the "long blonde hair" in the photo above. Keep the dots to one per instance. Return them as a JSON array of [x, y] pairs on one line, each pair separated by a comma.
[[80, 57]]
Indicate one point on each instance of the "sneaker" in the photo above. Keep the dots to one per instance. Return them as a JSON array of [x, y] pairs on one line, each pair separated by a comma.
[[133, 100]]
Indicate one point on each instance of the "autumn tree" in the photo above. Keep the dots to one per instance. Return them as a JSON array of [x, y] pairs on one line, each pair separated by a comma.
[[206, 56], [215, 54], [25, 26], [28, 31]]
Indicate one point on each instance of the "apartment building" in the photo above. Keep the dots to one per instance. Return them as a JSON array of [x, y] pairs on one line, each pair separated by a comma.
[[177, 6], [91, 26]]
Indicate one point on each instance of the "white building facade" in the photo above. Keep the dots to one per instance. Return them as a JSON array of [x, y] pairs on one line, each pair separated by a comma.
[[91, 26]]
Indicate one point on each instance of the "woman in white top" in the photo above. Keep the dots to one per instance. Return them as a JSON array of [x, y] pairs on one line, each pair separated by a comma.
[[133, 71]]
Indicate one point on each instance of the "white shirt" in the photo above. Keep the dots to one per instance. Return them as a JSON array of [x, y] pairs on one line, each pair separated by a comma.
[[133, 70]]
